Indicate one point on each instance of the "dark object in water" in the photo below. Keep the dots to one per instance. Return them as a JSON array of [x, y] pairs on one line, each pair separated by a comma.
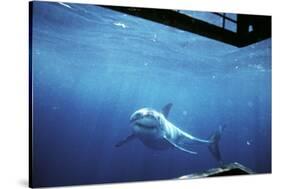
[[226, 170], [244, 36]]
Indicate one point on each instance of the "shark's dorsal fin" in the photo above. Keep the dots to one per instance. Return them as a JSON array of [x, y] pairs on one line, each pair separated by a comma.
[[166, 109]]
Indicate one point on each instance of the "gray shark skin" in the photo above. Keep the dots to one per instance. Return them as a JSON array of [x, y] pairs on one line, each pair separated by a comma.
[[155, 131]]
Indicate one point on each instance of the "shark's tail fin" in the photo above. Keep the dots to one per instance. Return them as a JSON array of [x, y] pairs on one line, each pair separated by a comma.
[[214, 145]]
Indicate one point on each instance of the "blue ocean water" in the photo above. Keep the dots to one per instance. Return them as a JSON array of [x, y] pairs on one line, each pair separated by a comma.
[[93, 67]]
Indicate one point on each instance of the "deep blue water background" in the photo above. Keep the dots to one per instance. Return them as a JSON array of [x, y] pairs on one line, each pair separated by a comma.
[[92, 68]]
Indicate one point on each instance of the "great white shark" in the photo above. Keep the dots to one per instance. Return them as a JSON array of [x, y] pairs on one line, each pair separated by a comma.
[[157, 132]]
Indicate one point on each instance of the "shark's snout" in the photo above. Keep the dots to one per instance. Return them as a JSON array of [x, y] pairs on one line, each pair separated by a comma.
[[140, 114], [145, 118]]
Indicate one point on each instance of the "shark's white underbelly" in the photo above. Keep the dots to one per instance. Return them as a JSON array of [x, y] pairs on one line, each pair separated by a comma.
[[153, 137]]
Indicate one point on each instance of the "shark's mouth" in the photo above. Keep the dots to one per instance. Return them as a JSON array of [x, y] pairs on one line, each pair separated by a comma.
[[144, 126]]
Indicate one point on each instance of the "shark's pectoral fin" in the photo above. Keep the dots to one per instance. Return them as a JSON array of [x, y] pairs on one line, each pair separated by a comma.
[[179, 146], [126, 140], [185, 139]]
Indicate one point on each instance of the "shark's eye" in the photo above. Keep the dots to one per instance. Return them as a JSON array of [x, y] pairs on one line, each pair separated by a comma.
[[137, 116]]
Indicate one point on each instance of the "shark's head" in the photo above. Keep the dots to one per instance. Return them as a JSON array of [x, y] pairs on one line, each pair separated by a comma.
[[146, 120]]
